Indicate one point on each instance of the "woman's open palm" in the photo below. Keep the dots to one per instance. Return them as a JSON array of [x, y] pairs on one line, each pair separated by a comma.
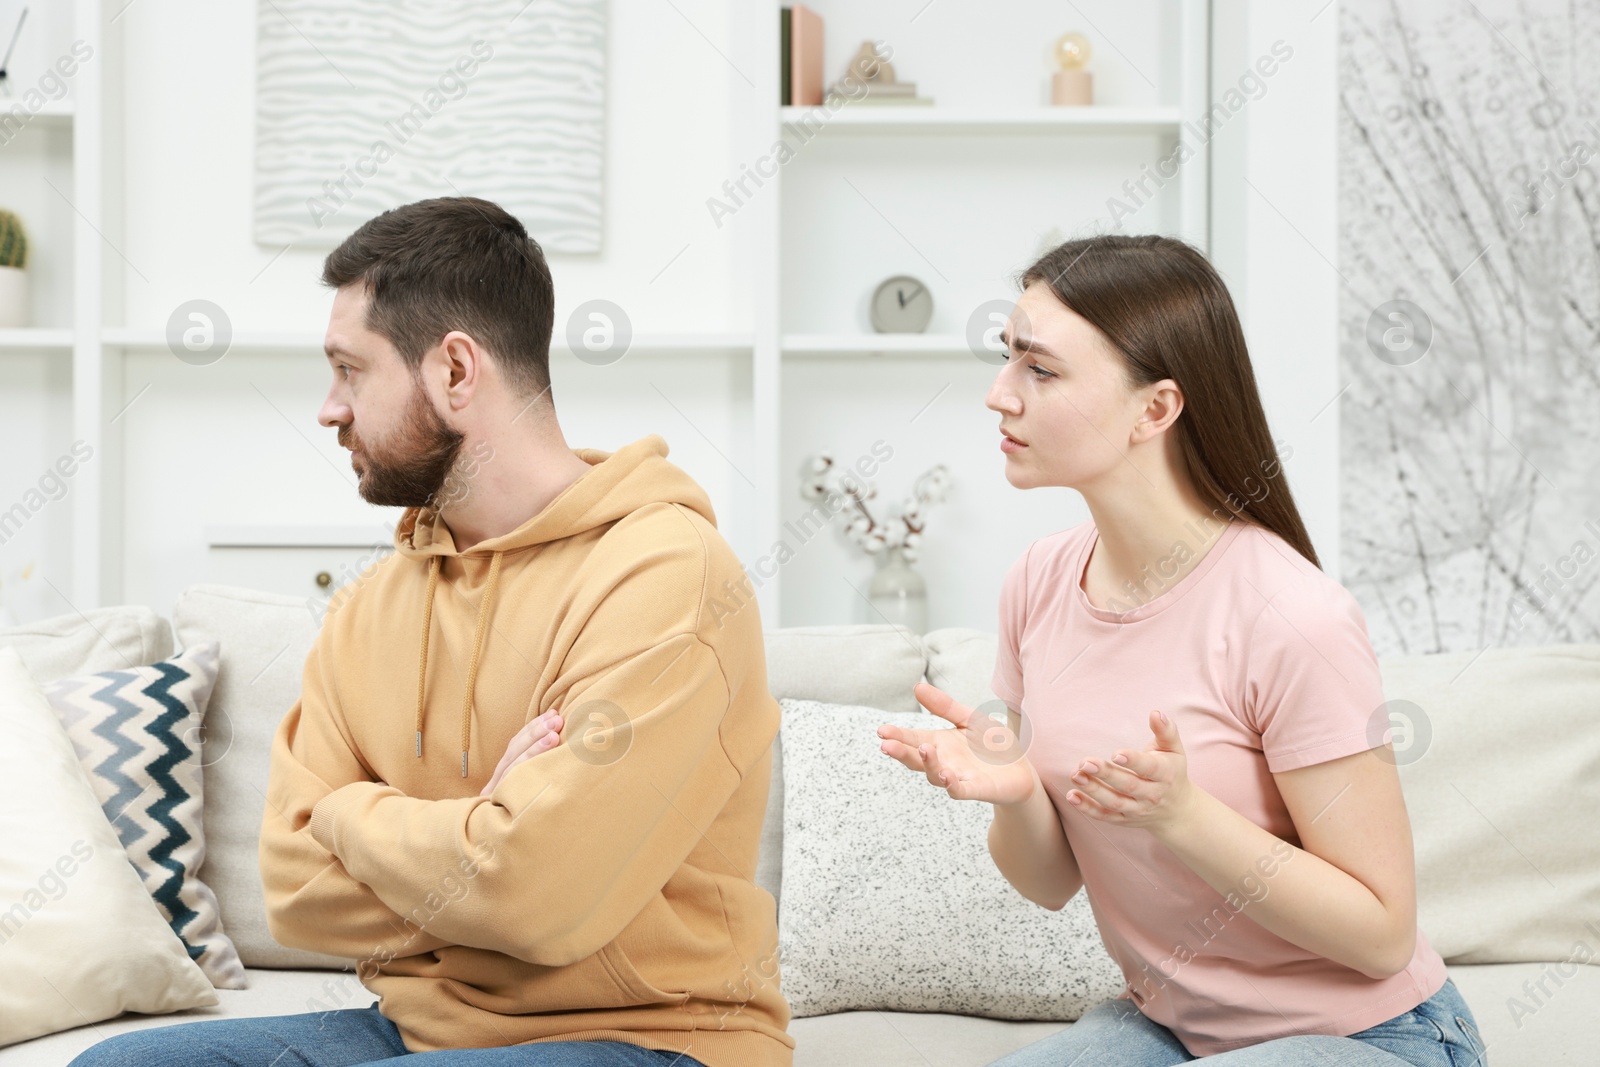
[[978, 759]]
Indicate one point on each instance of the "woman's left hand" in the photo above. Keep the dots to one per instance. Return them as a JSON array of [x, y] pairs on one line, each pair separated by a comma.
[[539, 735], [1149, 788]]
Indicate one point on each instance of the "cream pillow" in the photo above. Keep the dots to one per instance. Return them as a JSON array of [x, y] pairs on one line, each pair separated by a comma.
[[265, 638], [80, 939], [891, 901]]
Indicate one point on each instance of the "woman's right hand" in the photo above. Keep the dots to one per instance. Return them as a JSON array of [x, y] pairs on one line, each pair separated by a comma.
[[979, 759]]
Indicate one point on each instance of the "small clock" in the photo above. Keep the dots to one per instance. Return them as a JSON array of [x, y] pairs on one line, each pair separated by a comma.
[[901, 305]]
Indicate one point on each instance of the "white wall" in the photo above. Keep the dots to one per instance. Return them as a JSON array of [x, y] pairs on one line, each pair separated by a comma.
[[1274, 188]]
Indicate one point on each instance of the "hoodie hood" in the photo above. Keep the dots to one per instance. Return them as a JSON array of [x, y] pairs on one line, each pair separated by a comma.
[[617, 484]]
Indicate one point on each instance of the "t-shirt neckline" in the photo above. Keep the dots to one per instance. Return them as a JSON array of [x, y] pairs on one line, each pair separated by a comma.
[[1168, 596]]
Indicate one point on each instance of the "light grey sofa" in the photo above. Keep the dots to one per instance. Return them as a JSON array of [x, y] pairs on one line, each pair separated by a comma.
[[1503, 801]]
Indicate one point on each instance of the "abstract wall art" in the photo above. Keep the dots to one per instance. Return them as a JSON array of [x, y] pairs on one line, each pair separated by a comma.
[[363, 105]]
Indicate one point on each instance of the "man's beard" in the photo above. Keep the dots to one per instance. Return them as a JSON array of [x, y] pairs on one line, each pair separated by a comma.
[[411, 465]]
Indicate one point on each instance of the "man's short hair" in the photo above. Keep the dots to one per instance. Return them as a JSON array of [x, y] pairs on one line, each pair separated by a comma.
[[454, 263]]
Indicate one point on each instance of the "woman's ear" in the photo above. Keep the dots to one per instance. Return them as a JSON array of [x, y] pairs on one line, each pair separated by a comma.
[[1163, 405]]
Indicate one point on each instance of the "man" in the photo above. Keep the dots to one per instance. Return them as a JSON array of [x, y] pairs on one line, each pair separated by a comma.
[[524, 784]]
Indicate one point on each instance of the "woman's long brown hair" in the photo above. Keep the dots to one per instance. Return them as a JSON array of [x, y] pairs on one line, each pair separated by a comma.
[[1168, 315]]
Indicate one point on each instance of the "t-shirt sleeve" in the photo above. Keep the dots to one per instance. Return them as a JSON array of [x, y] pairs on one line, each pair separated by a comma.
[[1313, 690], [1007, 681]]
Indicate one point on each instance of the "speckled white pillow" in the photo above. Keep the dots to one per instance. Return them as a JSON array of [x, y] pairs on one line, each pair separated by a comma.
[[891, 901]]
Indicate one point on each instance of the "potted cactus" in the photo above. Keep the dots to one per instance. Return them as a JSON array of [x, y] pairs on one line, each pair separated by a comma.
[[13, 271]]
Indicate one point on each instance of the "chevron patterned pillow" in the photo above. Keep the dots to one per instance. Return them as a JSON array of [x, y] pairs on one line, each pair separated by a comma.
[[138, 735]]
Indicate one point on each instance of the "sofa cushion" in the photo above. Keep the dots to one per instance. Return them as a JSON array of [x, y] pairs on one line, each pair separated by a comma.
[[101, 639], [929, 1039], [1500, 764], [870, 664], [961, 662], [1534, 1014], [265, 639], [875, 665], [892, 900], [138, 734], [80, 938], [270, 992]]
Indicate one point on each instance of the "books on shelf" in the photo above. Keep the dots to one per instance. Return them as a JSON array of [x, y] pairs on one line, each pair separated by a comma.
[[893, 94], [802, 56], [786, 70]]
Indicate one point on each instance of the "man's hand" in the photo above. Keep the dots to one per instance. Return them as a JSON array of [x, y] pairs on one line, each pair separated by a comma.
[[540, 735]]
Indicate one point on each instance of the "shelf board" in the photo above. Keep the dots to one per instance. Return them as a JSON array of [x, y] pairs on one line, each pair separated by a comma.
[[676, 344], [57, 110], [911, 118], [849, 345], [297, 536], [36, 338], [305, 340], [254, 341]]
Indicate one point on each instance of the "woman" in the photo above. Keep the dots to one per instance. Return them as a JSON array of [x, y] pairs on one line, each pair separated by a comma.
[[1250, 867]]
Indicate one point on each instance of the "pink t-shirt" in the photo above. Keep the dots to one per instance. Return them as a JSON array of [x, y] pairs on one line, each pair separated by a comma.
[[1265, 664]]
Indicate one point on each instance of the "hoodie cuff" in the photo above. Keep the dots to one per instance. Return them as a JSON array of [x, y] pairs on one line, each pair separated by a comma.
[[326, 821]]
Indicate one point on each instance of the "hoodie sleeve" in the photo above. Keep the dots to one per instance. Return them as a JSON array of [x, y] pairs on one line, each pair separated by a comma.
[[312, 902], [581, 837]]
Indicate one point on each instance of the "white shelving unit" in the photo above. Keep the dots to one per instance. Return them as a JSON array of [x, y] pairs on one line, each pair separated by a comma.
[[66, 133], [824, 345], [37, 339], [933, 119], [878, 136], [305, 341]]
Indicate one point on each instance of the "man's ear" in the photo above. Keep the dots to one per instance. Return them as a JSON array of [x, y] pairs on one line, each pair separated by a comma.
[[465, 362]]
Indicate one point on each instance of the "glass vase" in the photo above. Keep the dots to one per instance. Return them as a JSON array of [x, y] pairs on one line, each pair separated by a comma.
[[898, 594]]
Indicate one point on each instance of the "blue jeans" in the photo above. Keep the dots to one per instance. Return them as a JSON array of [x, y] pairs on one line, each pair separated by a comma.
[[343, 1038], [1439, 1032]]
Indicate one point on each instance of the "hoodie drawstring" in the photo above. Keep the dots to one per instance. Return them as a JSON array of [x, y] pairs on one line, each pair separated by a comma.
[[472, 671], [477, 649], [427, 625]]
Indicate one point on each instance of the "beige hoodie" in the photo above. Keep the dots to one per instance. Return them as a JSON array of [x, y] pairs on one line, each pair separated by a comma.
[[604, 890]]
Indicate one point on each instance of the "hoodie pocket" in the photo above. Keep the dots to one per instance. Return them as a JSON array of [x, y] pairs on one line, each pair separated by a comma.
[[631, 982]]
